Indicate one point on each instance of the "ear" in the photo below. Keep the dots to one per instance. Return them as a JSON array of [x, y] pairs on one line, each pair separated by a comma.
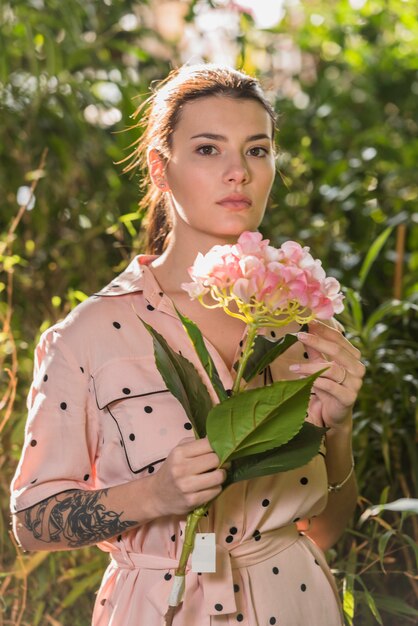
[[156, 166]]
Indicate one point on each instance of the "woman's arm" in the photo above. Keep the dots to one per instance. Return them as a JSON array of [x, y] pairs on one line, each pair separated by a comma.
[[335, 392], [77, 518], [327, 528]]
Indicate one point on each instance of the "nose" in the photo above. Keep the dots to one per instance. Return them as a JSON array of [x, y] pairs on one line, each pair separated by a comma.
[[237, 171]]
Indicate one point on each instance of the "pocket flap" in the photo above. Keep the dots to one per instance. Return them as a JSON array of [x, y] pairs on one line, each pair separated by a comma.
[[149, 420], [127, 378]]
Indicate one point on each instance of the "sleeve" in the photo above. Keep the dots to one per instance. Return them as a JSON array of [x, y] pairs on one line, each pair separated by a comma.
[[61, 433]]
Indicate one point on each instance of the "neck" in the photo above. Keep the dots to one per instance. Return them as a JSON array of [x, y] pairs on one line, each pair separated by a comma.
[[171, 268]]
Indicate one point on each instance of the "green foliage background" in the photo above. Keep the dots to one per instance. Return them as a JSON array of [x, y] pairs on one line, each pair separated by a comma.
[[346, 176]]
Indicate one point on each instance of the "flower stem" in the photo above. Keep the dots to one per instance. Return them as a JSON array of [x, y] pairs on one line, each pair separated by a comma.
[[248, 350], [192, 521]]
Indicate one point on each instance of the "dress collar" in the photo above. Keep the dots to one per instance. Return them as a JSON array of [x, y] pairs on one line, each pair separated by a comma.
[[131, 280], [138, 278]]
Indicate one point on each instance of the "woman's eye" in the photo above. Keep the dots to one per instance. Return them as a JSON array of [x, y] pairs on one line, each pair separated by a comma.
[[206, 150], [259, 151]]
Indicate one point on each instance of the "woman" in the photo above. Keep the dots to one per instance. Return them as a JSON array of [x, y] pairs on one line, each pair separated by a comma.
[[107, 457]]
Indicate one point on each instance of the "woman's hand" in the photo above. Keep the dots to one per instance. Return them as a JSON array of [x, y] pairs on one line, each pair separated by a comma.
[[336, 390], [188, 478]]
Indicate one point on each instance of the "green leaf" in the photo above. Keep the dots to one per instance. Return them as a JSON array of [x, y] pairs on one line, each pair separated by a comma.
[[92, 565], [373, 253], [80, 588], [259, 419], [264, 352], [353, 304], [183, 380], [413, 545], [206, 360], [394, 606], [390, 307], [296, 453], [372, 606], [370, 600], [383, 541], [129, 217], [348, 605], [349, 602]]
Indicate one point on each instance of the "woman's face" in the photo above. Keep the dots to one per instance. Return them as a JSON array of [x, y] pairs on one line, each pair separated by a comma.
[[220, 147]]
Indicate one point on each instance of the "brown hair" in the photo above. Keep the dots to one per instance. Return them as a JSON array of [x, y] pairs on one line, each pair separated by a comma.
[[162, 114]]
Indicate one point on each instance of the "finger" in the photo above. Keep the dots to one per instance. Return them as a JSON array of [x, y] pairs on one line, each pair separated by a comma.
[[315, 411], [201, 482], [195, 447], [333, 370], [334, 351], [334, 335], [312, 354], [186, 441], [202, 497], [310, 367], [346, 396], [202, 464]]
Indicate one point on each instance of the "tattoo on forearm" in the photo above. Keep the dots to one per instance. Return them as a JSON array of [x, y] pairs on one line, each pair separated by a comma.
[[75, 517]]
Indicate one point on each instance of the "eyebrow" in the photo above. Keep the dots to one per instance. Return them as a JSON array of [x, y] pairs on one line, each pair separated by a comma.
[[223, 138]]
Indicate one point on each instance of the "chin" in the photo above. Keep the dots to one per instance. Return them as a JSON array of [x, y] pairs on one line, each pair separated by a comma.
[[237, 224], [227, 228], [236, 229]]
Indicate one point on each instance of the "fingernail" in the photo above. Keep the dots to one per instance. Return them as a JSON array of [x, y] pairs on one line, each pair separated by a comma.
[[302, 336], [294, 368]]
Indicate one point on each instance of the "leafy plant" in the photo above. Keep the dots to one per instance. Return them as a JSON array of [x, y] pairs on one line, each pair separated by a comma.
[[386, 461], [344, 83]]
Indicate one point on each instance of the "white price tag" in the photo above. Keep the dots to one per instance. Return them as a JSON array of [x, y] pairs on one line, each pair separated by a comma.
[[204, 553]]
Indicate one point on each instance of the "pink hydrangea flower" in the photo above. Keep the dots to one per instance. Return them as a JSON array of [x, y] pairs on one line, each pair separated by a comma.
[[265, 285]]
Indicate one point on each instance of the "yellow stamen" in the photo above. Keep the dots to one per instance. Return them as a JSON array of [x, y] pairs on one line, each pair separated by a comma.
[[256, 313]]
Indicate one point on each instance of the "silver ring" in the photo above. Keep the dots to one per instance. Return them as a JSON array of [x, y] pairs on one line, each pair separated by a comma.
[[340, 382]]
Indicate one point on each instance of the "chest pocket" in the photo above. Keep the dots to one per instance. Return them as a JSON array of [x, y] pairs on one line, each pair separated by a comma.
[[149, 419]]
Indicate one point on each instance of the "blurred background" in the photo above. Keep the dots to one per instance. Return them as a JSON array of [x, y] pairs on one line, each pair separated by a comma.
[[343, 77]]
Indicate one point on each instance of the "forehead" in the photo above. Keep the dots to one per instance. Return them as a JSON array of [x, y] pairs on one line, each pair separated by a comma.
[[224, 115]]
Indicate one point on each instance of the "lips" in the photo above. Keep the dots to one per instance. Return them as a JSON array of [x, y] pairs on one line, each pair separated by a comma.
[[235, 201]]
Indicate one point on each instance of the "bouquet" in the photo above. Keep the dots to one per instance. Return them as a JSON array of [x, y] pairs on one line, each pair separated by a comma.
[[257, 431]]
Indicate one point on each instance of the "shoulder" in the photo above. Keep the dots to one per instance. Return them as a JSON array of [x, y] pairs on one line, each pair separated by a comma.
[[97, 325]]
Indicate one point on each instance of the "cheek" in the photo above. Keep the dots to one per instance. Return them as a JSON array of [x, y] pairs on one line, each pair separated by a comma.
[[264, 175], [264, 190], [270, 184], [271, 174], [187, 179], [190, 194]]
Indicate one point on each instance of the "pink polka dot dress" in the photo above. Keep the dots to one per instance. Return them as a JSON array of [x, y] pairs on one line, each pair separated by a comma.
[[100, 415]]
